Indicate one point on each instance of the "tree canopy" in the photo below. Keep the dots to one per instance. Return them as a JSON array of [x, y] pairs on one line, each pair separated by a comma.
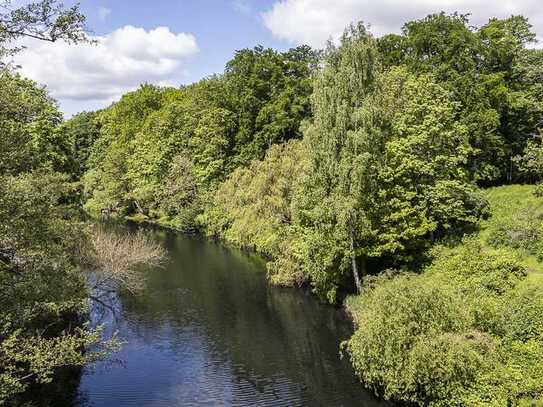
[[490, 72], [359, 169], [217, 124]]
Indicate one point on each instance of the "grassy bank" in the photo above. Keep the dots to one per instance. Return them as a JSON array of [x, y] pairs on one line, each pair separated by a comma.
[[468, 329]]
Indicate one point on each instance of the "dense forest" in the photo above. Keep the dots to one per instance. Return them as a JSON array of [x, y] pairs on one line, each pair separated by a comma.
[[400, 172]]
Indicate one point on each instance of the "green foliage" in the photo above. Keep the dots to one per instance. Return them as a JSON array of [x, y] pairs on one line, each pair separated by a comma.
[[107, 181], [28, 123], [491, 75], [520, 223], [178, 198], [220, 123], [385, 171], [269, 92], [35, 358], [81, 131], [46, 20], [252, 208], [340, 166], [43, 293], [473, 269], [530, 164], [523, 230], [467, 331], [402, 127], [413, 341], [396, 134]]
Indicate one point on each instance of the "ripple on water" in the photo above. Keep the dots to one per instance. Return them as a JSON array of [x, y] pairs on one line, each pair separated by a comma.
[[209, 331]]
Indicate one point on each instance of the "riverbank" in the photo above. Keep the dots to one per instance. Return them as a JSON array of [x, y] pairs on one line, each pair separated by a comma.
[[208, 329], [459, 316], [460, 328], [468, 329]]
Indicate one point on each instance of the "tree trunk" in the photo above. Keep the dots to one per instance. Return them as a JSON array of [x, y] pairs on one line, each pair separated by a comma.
[[138, 207], [355, 267]]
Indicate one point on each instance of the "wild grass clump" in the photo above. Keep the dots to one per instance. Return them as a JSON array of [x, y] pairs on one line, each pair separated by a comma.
[[518, 220]]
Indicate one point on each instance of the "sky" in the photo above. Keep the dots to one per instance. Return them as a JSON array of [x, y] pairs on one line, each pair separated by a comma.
[[174, 42]]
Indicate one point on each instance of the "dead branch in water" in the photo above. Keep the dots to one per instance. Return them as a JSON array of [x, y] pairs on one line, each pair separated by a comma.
[[117, 258]]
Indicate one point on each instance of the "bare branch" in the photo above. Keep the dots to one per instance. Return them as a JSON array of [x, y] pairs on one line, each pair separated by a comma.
[[119, 257]]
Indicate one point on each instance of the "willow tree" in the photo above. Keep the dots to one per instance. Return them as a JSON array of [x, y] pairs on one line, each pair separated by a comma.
[[339, 170], [386, 155]]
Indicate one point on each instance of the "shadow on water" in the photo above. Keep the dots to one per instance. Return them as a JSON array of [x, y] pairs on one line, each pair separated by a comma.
[[208, 330]]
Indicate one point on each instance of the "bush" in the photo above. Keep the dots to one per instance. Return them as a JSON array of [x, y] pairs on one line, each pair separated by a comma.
[[474, 270], [401, 324], [253, 209], [468, 331], [117, 257], [523, 230]]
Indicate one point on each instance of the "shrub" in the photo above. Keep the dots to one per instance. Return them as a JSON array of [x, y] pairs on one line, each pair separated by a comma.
[[468, 331], [523, 230]]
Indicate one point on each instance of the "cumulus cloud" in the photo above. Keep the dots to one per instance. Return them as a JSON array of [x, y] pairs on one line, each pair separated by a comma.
[[313, 22], [100, 73]]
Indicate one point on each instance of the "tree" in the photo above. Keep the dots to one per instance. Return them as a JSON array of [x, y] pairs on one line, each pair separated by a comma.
[[505, 56], [385, 174], [107, 182], [45, 20], [338, 171], [253, 209], [81, 131], [530, 164], [116, 258], [269, 92], [28, 123], [488, 74], [221, 123], [43, 295], [179, 199]]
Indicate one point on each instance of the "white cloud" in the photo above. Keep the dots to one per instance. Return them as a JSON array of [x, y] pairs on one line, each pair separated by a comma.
[[313, 22], [103, 13], [97, 74]]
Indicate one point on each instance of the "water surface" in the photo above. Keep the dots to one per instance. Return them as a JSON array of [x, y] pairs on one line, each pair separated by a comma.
[[209, 331]]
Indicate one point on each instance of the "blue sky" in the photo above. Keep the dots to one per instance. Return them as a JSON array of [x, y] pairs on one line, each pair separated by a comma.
[[219, 26], [173, 42]]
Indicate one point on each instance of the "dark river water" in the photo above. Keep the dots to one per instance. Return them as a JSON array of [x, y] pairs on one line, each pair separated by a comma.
[[209, 331]]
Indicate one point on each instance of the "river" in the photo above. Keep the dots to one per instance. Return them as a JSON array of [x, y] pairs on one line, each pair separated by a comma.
[[209, 331]]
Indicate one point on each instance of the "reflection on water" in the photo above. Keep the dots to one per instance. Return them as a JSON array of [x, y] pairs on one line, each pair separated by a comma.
[[209, 331]]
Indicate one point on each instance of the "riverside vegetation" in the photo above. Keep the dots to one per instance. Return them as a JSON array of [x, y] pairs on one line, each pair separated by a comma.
[[46, 248], [375, 167]]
